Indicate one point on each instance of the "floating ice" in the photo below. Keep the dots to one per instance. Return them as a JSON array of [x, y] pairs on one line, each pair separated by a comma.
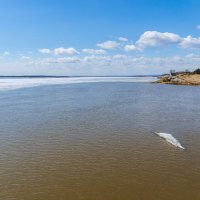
[[17, 83], [171, 139]]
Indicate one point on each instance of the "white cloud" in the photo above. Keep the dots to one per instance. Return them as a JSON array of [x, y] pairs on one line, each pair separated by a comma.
[[68, 60], [198, 27], [59, 51], [190, 42], [25, 58], [108, 45], [59, 60], [155, 38], [131, 47], [6, 53], [120, 57], [90, 58], [97, 59], [45, 51], [140, 64], [46, 61], [192, 55], [94, 51], [69, 51], [122, 39]]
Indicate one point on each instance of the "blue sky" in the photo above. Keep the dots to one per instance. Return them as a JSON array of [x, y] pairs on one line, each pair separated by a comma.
[[104, 37]]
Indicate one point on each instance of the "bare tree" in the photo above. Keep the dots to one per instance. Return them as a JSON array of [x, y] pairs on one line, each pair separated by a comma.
[[172, 71]]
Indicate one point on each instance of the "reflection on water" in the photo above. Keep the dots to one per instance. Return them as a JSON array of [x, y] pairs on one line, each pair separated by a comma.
[[94, 141]]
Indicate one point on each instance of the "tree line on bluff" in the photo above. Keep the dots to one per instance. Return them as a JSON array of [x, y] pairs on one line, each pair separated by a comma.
[[196, 71]]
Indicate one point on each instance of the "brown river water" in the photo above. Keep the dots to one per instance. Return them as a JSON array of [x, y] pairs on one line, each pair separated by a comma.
[[93, 141]]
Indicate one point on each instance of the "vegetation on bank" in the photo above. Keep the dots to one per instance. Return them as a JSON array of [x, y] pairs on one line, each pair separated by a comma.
[[196, 71]]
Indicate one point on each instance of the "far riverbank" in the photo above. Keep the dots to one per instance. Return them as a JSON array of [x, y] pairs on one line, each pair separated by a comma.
[[180, 79]]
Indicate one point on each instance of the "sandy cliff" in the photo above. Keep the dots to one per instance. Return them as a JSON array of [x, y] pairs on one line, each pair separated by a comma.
[[181, 79]]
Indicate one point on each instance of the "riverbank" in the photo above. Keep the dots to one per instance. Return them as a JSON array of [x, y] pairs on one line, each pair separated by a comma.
[[180, 79]]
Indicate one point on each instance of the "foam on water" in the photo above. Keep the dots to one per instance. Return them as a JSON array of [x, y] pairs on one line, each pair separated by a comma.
[[17, 83], [171, 139]]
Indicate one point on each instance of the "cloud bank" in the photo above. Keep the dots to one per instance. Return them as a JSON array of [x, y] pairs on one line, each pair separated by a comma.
[[120, 55]]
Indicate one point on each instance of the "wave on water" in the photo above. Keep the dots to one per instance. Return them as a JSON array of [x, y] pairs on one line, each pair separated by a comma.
[[171, 139], [17, 83]]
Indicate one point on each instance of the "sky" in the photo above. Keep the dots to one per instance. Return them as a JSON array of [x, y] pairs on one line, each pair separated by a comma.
[[98, 37]]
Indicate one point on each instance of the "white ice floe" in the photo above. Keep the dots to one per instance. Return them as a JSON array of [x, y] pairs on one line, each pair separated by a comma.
[[171, 139], [17, 83]]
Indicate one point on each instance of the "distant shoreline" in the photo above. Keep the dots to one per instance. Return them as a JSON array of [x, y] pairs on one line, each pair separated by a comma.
[[46, 76]]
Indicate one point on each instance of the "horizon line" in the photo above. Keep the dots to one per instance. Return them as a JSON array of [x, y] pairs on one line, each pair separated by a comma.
[[65, 76]]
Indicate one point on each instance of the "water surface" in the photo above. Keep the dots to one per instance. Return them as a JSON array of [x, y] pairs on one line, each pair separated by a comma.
[[94, 141]]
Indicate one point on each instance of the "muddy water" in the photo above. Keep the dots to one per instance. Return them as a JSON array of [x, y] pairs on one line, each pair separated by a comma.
[[94, 141]]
